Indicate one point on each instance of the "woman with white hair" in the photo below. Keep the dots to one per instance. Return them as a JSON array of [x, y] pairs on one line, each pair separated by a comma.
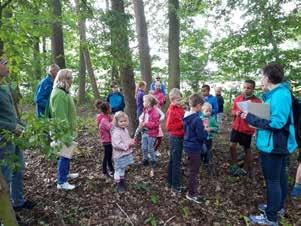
[[62, 108]]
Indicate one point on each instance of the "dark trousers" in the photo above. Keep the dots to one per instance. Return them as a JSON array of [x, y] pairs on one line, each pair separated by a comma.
[[206, 153], [174, 164], [107, 159], [193, 171], [273, 168]]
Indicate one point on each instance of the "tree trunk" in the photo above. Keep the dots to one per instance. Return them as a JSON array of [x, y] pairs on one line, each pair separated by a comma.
[[37, 59], [173, 45], [141, 29], [85, 50], [82, 79], [7, 214], [119, 29], [57, 39]]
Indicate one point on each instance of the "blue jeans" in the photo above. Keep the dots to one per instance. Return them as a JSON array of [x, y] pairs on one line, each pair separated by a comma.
[[273, 168], [174, 164], [148, 147], [63, 168], [14, 179]]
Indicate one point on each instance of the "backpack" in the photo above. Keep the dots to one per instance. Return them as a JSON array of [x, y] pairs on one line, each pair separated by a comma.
[[296, 106]]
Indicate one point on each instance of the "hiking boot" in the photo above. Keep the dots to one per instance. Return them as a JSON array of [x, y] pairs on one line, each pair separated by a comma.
[[262, 220], [26, 205], [196, 199], [296, 192], [120, 187], [65, 186], [145, 162], [236, 171], [262, 207]]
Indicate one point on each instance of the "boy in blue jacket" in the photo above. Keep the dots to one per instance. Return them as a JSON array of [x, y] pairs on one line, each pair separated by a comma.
[[116, 98], [194, 136]]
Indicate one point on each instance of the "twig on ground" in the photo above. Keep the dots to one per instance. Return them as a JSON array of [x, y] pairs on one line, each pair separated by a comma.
[[169, 220], [59, 214], [125, 213]]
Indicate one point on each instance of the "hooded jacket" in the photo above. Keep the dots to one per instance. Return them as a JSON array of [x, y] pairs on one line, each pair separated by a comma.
[[276, 135], [194, 134], [104, 128], [121, 142], [151, 117], [174, 120]]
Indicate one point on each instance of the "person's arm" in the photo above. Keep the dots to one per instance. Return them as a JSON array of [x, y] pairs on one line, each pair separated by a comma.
[[279, 114], [214, 106], [199, 128], [174, 121], [153, 122], [7, 125], [59, 108], [162, 115], [163, 88], [105, 125], [235, 110]]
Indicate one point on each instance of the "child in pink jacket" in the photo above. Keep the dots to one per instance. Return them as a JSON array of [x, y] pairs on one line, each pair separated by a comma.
[[149, 122], [122, 148], [104, 129]]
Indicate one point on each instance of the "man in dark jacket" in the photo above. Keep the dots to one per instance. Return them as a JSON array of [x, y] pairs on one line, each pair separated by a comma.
[[194, 136], [9, 122], [44, 89]]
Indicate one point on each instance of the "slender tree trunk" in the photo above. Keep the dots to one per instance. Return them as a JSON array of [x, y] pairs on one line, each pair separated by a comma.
[[85, 50], [124, 59], [82, 79], [141, 29], [37, 59], [173, 45], [7, 214], [274, 44], [57, 39]]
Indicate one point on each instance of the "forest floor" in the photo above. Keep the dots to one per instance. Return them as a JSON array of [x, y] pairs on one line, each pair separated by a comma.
[[147, 201]]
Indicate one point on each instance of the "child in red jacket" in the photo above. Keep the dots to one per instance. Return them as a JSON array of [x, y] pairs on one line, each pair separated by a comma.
[[241, 132], [175, 129], [149, 122]]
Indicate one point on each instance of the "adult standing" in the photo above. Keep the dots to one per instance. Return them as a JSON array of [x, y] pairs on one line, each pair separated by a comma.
[[275, 140], [153, 85], [44, 89], [62, 108], [9, 122], [210, 99], [220, 103]]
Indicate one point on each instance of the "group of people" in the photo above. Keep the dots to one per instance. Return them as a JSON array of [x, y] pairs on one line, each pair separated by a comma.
[[192, 131]]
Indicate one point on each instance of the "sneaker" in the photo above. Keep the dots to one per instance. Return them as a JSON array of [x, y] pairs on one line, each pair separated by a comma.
[[111, 174], [262, 220], [151, 173], [178, 190], [26, 205], [73, 175], [296, 192], [196, 199], [262, 207], [65, 186]]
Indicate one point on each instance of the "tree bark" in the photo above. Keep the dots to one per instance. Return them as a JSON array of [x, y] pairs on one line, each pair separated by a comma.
[[173, 45], [85, 50], [37, 59], [142, 36], [119, 31], [57, 39], [82, 79], [7, 214]]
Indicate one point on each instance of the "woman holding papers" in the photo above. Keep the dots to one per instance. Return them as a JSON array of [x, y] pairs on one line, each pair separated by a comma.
[[275, 140]]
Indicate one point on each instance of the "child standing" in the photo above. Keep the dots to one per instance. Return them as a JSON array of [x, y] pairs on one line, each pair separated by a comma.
[[104, 127], [158, 93], [175, 129], [139, 97], [122, 148], [149, 122], [210, 126], [193, 141], [115, 98]]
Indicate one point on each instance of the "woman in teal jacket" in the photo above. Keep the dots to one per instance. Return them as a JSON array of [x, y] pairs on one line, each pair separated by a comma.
[[275, 140], [62, 108]]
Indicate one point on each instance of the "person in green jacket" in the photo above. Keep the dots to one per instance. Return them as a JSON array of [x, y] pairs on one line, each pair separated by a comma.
[[211, 128], [62, 108]]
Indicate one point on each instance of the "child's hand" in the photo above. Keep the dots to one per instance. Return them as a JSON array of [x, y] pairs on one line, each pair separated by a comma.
[[207, 128], [132, 143], [141, 124], [243, 115]]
